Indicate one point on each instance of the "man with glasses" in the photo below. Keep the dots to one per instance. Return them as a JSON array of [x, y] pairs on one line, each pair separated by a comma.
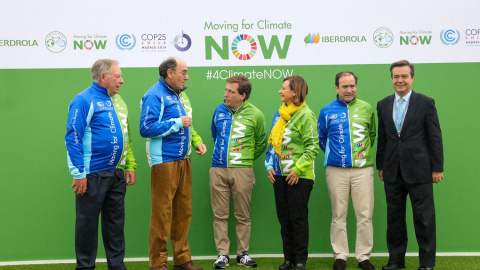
[[238, 131], [166, 122]]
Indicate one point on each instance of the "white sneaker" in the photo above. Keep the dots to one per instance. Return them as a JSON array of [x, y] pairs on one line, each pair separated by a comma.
[[221, 262], [245, 260]]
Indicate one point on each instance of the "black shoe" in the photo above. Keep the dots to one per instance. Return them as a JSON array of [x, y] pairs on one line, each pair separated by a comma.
[[393, 266], [339, 264], [287, 265], [425, 268], [366, 265], [300, 266]]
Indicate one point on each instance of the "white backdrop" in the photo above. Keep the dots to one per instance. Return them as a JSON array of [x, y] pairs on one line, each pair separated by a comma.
[[71, 34]]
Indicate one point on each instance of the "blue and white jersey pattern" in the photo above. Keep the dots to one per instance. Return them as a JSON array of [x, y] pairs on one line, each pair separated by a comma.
[[94, 138], [161, 124]]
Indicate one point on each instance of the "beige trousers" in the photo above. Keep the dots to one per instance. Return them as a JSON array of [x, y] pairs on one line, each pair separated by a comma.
[[357, 182], [239, 183]]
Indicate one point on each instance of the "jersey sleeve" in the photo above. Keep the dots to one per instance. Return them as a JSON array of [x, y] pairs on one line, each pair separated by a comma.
[[322, 129], [310, 143], [372, 132], [150, 126], [196, 139], [130, 165], [269, 159], [213, 127], [260, 134], [77, 123]]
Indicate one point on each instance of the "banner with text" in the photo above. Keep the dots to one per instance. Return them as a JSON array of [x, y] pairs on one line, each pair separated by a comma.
[[68, 34]]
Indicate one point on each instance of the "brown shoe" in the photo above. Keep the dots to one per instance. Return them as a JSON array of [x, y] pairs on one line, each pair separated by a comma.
[[187, 266], [163, 267], [339, 264], [366, 265]]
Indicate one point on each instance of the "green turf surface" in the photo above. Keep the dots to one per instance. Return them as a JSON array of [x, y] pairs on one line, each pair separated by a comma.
[[443, 263]]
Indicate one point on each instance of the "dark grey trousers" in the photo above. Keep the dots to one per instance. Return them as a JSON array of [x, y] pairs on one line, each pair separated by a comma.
[[423, 208], [105, 194]]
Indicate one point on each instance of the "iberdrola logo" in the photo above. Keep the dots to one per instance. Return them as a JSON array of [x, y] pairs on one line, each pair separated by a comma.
[[312, 38]]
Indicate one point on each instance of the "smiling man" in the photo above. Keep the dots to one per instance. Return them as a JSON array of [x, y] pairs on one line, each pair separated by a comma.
[[238, 131], [346, 133], [100, 159], [409, 160]]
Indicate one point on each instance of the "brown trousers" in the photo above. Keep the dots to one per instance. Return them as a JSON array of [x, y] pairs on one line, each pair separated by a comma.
[[171, 202]]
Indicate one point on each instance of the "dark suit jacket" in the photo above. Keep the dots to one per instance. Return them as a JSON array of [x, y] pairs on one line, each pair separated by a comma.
[[419, 149]]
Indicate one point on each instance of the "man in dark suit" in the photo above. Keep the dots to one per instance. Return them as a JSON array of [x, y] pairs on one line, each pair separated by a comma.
[[409, 160]]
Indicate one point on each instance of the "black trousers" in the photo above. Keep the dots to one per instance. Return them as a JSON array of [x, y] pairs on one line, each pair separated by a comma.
[[292, 213], [105, 194], [423, 208]]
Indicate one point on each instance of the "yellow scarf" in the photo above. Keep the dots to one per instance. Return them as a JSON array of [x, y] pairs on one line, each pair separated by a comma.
[[276, 135]]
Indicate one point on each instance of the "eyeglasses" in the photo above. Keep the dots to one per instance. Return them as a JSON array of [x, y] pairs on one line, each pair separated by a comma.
[[183, 72], [230, 92]]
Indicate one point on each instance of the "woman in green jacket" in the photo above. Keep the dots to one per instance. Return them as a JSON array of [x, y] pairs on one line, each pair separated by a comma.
[[293, 146]]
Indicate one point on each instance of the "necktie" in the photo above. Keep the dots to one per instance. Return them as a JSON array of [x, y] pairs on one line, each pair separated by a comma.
[[399, 112]]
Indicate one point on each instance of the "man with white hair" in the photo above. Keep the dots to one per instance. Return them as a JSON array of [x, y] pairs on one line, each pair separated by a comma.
[[101, 161]]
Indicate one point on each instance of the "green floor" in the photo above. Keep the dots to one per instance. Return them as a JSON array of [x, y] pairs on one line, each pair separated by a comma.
[[443, 263]]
